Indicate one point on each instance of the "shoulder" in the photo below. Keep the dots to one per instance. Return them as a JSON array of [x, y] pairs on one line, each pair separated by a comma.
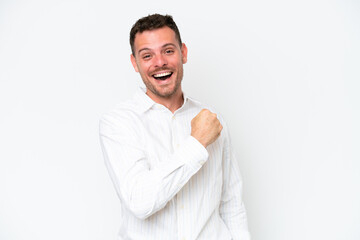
[[200, 106], [123, 115]]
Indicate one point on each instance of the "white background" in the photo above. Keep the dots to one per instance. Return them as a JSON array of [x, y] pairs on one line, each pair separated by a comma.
[[284, 75]]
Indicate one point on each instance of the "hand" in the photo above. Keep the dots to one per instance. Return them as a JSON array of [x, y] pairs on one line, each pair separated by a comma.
[[205, 127]]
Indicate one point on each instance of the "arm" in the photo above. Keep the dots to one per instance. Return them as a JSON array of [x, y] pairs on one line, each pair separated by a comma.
[[145, 191], [232, 209]]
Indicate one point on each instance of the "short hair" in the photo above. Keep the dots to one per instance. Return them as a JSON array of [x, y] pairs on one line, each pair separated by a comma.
[[152, 22]]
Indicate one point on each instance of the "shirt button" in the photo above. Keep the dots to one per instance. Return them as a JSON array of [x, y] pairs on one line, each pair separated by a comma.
[[173, 117]]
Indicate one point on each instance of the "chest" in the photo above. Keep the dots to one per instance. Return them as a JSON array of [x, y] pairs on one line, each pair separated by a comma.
[[164, 133]]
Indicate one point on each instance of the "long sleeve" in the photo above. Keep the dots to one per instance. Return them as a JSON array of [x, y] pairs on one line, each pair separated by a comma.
[[232, 209], [142, 188]]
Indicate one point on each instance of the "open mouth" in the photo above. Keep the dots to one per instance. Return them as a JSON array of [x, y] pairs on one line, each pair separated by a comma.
[[162, 76]]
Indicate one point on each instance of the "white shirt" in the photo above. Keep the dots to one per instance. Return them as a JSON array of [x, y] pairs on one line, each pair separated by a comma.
[[169, 185]]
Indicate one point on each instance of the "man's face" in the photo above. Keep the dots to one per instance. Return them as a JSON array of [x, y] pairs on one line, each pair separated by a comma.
[[159, 59]]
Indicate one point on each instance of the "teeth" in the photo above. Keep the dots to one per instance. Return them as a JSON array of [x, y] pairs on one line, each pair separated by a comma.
[[162, 74]]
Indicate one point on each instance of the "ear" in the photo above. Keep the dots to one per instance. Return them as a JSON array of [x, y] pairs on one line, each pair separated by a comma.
[[184, 53], [133, 62]]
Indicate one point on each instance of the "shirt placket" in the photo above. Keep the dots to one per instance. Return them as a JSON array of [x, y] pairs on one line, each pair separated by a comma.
[[179, 196]]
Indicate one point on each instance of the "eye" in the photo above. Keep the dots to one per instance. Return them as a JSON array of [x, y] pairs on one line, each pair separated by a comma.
[[169, 51], [146, 56]]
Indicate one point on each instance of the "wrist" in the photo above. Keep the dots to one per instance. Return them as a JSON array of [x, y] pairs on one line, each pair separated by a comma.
[[201, 141]]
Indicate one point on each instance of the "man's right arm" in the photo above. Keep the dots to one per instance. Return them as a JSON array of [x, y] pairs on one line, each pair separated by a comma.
[[145, 191]]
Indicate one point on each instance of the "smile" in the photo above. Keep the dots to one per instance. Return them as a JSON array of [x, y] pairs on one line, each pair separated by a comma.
[[163, 75]]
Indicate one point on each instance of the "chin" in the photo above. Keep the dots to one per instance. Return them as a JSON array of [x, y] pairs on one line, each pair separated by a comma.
[[166, 94]]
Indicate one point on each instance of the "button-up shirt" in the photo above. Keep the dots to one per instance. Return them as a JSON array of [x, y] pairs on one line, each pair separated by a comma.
[[170, 186]]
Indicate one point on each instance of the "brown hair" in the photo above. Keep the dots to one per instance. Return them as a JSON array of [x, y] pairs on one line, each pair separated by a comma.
[[152, 22]]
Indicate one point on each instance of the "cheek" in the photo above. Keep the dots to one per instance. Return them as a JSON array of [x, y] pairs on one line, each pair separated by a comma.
[[146, 67], [141, 68]]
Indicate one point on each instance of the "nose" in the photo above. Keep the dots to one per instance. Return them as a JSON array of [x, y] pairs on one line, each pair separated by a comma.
[[160, 60]]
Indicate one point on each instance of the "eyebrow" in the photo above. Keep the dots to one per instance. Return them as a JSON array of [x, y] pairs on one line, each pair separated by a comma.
[[163, 46]]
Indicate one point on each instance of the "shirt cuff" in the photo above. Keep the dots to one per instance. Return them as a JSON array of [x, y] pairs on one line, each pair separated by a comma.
[[193, 152]]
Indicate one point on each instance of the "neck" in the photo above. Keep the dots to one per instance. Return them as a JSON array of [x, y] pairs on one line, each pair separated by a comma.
[[173, 103]]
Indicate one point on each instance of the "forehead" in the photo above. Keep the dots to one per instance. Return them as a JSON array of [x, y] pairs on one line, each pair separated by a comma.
[[156, 38]]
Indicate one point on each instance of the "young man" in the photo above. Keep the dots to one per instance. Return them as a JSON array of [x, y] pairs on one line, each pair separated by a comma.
[[175, 174]]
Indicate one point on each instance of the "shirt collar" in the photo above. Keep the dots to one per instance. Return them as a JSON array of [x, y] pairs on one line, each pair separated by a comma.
[[144, 102]]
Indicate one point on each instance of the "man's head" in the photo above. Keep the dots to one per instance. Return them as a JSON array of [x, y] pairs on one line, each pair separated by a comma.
[[158, 55], [153, 22]]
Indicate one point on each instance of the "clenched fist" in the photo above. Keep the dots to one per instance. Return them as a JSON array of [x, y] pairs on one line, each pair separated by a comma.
[[205, 127]]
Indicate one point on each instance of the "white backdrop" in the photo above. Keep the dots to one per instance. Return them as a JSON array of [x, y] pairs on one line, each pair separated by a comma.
[[284, 74]]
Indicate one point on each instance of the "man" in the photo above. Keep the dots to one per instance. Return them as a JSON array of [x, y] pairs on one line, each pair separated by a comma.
[[168, 156]]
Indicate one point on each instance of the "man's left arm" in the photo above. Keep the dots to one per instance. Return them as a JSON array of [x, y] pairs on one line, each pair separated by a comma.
[[232, 209]]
